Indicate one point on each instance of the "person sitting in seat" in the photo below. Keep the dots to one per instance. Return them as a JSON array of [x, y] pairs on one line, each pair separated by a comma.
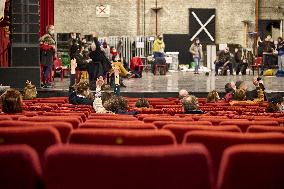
[[242, 93], [275, 104], [11, 101], [81, 93], [212, 97], [142, 103], [230, 91], [223, 61], [190, 105], [118, 105]]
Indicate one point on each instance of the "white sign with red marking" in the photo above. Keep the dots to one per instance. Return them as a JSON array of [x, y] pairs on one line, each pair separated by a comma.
[[103, 10]]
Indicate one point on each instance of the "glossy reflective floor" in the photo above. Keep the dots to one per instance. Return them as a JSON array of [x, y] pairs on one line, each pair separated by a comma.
[[174, 81]]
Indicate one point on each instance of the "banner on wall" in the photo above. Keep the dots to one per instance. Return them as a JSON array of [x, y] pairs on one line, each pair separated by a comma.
[[2, 9], [202, 24], [103, 11]]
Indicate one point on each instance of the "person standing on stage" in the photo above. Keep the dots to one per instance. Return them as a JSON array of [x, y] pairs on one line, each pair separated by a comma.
[[47, 54], [159, 47], [280, 49], [196, 51]]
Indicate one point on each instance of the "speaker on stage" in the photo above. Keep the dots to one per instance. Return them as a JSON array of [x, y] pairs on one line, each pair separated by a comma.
[[25, 56], [25, 33]]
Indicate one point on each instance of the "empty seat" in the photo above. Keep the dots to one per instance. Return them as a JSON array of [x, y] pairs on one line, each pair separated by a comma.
[[261, 128], [109, 167], [63, 128], [39, 138], [252, 166], [245, 124], [71, 114], [118, 117], [180, 130], [161, 124], [217, 141], [152, 119], [20, 167], [74, 121], [118, 125], [122, 137], [5, 117]]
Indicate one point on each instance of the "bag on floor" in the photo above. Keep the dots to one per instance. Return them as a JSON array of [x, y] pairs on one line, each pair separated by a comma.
[[268, 72], [280, 73]]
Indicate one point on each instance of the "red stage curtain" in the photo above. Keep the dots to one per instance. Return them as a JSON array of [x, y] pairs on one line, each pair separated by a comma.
[[46, 14]]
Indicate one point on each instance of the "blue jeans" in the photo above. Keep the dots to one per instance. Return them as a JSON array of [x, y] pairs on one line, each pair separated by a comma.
[[46, 72], [197, 62]]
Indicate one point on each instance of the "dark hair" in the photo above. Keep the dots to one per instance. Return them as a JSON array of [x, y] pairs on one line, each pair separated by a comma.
[[272, 108], [12, 101], [106, 96], [195, 39], [116, 104], [142, 103], [82, 86], [280, 38], [228, 88]]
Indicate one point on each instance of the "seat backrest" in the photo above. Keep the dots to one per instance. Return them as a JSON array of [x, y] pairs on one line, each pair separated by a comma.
[[122, 137], [74, 121], [40, 138], [161, 124], [261, 129], [245, 124], [180, 130], [160, 118], [122, 118], [71, 114], [118, 125], [20, 167], [250, 166], [159, 167], [63, 128], [217, 141]]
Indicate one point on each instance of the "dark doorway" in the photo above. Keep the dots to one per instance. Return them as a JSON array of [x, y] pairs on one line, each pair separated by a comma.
[[270, 27]]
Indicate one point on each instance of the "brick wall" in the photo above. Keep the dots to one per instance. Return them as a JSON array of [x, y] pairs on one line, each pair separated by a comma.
[[79, 16]]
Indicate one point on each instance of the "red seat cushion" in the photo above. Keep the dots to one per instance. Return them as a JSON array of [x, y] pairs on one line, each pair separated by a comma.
[[108, 167]]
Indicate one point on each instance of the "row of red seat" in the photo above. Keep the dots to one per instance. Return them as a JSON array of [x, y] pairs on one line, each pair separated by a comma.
[[163, 167]]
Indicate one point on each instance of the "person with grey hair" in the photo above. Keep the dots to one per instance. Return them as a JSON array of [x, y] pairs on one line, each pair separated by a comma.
[[224, 61], [190, 105], [182, 93]]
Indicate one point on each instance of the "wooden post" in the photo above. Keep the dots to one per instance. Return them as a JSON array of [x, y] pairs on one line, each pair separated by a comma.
[[138, 17]]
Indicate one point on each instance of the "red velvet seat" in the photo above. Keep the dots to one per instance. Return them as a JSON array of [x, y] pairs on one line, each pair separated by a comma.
[[122, 137], [217, 141], [74, 121], [245, 124], [39, 138], [152, 119], [122, 118], [109, 167], [5, 117], [71, 114], [180, 130], [161, 124], [252, 166], [261, 129], [20, 167], [117, 125], [63, 128]]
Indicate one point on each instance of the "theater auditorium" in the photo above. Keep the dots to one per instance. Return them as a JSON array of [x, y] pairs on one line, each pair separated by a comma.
[[141, 94]]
